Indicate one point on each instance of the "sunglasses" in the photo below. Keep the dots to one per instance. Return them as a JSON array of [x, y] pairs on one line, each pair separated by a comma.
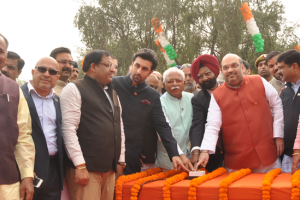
[[43, 70]]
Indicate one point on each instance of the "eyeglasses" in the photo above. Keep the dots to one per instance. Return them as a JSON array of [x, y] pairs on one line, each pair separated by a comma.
[[43, 70], [110, 65], [65, 62]]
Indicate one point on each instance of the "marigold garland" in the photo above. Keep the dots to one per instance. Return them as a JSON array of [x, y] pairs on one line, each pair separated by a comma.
[[266, 184], [297, 47], [229, 180], [127, 178], [137, 185], [201, 179], [295, 181], [170, 181]]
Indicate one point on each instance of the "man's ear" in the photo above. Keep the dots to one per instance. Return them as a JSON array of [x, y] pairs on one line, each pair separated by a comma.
[[93, 67], [19, 72], [164, 84]]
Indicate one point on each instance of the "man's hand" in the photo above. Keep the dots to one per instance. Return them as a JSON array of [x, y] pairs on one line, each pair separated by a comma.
[[279, 145], [296, 160], [142, 163], [177, 161], [119, 171], [203, 159], [195, 157], [186, 162], [82, 176], [27, 188]]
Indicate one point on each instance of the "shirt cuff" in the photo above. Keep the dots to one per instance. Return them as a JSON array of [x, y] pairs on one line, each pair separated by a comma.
[[26, 172], [297, 144], [122, 158], [179, 150], [194, 148], [77, 160]]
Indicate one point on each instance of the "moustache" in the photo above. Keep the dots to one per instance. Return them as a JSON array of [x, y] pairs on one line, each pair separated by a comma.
[[280, 74], [5, 73], [175, 87], [46, 79], [66, 69], [231, 73]]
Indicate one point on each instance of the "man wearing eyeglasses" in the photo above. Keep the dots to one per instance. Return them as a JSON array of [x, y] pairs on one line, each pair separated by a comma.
[[46, 128], [65, 61], [75, 72], [93, 130], [16, 144]]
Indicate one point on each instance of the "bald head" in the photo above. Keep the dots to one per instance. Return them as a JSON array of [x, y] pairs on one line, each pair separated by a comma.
[[49, 61], [232, 69], [45, 76], [153, 81]]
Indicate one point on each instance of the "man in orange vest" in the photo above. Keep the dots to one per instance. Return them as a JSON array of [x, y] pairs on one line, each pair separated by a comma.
[[249, 111]]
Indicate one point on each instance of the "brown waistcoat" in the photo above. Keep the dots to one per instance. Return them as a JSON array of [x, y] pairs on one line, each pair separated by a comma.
[[247, 124], [9, 130], [99, 131]]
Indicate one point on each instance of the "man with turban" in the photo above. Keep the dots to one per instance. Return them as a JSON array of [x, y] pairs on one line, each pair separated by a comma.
[[205, 70], [249, 111]]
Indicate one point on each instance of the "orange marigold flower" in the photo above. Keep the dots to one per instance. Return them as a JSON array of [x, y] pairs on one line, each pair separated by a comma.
[[230, 179], [197, 181]]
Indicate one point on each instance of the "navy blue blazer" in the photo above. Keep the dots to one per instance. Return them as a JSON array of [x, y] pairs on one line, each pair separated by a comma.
[[41, 165]]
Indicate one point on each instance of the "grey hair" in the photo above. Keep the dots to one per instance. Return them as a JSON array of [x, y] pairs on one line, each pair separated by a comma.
[[173, 69], [187, 65]]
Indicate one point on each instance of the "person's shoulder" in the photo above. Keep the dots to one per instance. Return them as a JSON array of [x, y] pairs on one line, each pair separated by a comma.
[[117, 79], [187, 94]]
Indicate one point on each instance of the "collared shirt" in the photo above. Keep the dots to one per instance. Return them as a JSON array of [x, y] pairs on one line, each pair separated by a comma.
[[71, 120], [214, 118], [278, 85], [47, 114], [296, 86], [178, 114], [59, 86], [24, 150]]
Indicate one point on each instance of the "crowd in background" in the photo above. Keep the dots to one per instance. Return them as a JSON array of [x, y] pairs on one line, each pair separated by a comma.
[[80, 135]]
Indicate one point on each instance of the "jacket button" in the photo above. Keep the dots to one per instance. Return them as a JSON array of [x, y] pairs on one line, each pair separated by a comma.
[[110, 110], [129, 105], [115, 124]]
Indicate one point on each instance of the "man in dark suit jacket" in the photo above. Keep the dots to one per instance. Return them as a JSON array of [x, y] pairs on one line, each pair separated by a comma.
[[46, 128], [139, 101], [204, 70]]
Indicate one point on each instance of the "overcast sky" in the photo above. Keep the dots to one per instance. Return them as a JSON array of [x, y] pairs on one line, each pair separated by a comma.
[[35, 27]]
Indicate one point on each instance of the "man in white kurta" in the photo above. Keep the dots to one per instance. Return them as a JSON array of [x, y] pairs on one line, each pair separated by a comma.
[[178, 111]]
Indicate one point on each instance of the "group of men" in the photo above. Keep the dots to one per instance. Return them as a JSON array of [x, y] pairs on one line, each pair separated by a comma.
[[79, 136]]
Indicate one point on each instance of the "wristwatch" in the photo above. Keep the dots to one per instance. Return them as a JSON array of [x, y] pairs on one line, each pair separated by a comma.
[[123, 164]]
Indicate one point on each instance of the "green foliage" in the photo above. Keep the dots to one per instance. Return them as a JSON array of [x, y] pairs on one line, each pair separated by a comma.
[[21, 82], [216, 27]]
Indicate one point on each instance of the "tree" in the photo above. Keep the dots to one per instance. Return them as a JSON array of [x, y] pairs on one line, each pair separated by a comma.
[[193, 28]]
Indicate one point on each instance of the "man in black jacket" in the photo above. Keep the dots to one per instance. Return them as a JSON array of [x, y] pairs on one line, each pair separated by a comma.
[[289, 67], [139, 101], [45, 112], [204, 70]]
